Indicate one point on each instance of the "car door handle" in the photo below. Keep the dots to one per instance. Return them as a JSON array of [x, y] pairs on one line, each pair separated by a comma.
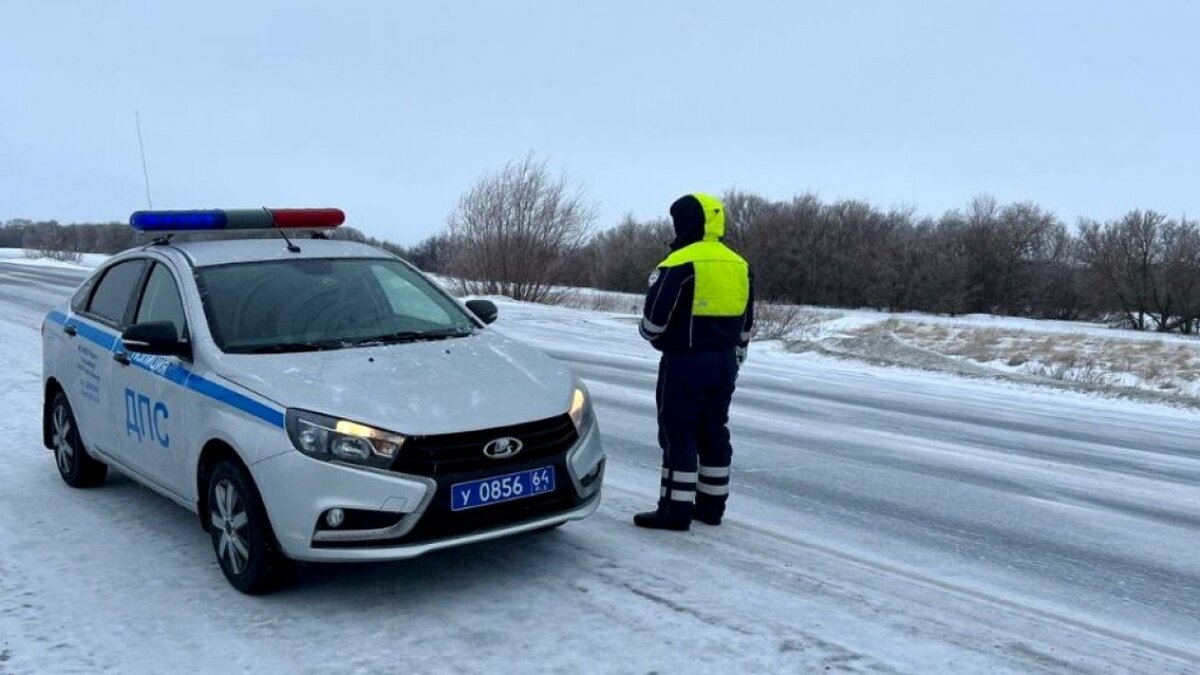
[[121, 358], [70, 329]]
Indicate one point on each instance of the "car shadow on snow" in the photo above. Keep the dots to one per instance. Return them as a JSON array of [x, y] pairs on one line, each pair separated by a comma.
[[175, 533], [486, 565]]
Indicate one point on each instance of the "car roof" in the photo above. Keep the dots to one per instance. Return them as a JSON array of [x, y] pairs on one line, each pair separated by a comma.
[[225, 251]]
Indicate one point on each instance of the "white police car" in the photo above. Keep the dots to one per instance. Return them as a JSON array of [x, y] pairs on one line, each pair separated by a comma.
[[317, 400]]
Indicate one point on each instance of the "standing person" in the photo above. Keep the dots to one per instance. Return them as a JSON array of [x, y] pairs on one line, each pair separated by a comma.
[[698, 313]]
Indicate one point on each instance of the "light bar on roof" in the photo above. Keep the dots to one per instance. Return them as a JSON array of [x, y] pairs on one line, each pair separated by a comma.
[[210, 220]]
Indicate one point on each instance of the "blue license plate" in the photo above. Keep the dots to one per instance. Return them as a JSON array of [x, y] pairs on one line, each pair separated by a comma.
[[497, 489]]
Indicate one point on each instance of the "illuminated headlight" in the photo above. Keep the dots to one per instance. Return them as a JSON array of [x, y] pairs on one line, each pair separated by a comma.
[[581, 409], [329, 438]]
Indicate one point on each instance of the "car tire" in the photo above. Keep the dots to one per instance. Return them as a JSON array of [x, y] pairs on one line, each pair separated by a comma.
[[242, 538], [77, 468]]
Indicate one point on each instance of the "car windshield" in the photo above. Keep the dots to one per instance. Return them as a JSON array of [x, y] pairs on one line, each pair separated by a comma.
[[324, 303]]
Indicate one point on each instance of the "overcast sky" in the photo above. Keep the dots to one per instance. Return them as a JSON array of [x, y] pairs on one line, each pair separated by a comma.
[[391, 110]]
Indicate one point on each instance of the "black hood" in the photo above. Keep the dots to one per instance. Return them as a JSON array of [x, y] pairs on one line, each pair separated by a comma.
[[687, 214]]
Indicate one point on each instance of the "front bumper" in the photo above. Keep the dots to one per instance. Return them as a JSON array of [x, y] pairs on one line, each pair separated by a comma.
[[298, 490]]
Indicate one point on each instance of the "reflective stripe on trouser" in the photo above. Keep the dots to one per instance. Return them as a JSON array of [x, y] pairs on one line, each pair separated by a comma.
[[712, 489], [694, 391], [713, 480], [678, 486]]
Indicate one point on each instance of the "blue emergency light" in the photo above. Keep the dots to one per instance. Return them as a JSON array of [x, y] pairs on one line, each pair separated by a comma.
[[209, 220]]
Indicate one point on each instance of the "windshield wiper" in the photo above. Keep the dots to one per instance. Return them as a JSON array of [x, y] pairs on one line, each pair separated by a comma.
[[342, 343], [410, 336], [288, 347]]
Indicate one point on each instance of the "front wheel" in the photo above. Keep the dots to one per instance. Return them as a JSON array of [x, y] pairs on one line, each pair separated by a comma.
[[77, 468], [241, 533]]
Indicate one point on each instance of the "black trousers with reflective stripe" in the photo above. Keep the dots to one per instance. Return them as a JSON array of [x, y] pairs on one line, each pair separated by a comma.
[[694, 392]]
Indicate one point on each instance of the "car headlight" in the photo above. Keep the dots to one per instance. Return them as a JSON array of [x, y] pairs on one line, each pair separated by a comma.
[[330, 438], [581, 409]]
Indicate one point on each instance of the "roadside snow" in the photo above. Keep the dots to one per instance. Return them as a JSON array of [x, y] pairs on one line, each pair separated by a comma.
[[856, 319], [883, 520], [1168, 369], [20, 256], [1063, 354], [837, 322]]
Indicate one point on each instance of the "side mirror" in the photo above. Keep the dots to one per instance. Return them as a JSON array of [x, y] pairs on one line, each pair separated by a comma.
[[484, 309], [155, 337]]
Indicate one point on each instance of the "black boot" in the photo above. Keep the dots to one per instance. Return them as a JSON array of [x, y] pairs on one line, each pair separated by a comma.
[[670, 515], [709, 509]]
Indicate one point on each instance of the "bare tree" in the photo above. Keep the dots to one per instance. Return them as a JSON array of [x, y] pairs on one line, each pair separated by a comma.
[[433, 254], [515, 231], [623, 257], [1176, 299], [742, 210], [1150, 265], [50, 240]]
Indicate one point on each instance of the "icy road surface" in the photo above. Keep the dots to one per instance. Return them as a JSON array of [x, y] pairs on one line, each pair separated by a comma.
[[882, 521]]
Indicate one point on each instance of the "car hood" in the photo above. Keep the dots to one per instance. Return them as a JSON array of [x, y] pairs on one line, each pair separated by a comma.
[[416, 388]]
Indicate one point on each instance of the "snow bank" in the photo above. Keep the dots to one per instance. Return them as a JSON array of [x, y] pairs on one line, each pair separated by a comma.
[[20, 256]]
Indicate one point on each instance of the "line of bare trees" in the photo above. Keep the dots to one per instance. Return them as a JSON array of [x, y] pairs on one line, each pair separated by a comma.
[[524, 233], [50, 239], [521, 233], [1141, 270], [65, 242]]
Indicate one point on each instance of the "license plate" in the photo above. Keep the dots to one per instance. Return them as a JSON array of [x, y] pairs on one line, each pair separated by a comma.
[[497, 489]]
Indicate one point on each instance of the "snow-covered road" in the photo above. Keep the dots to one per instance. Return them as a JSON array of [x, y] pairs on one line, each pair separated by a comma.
[[882, 520]]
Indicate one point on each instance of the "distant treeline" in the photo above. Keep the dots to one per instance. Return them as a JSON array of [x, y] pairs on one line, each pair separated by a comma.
[[52, 239], [1141, 269]]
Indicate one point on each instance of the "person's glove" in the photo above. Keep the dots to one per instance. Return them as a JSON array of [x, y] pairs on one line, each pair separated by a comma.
[[742, 353]]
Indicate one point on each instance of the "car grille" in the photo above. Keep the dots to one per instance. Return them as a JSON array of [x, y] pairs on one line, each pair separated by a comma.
[[462, 453]]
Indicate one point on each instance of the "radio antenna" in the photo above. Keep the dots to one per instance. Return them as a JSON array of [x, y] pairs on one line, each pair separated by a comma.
[[137, 118]]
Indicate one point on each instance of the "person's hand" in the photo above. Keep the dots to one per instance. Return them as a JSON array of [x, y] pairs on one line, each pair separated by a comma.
[[742, 353]]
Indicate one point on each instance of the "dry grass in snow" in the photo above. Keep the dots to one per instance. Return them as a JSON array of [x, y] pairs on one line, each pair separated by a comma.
[[1165, 366]]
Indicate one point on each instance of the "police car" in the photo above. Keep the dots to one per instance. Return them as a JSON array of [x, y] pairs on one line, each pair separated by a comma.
[[310, 399]]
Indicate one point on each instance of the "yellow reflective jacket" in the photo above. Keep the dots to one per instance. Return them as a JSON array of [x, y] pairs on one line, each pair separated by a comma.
[[701, 295]]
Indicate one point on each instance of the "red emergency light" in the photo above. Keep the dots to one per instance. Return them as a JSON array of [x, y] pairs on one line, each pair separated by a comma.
[[210, 220], [308, 218]]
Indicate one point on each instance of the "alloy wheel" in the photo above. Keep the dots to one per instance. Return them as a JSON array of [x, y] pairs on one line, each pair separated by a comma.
[[64, 451], [229, 520]]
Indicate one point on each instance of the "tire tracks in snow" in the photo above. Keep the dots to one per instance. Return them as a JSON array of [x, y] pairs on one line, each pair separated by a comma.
[[1139, 650], [762, 394]]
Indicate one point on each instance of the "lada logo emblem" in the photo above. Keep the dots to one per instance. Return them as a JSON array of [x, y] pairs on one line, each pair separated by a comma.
[[502, 447]]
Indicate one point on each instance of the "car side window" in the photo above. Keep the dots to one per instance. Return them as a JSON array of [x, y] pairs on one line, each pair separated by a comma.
[[80, 299], [161, 300], [115, 291]]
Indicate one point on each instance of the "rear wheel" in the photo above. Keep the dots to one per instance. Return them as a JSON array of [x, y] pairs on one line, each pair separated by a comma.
[[241, 533], [77, 468]]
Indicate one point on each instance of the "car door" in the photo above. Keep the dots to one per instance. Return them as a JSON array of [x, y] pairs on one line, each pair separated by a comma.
[[95, 329], [149, 388]]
